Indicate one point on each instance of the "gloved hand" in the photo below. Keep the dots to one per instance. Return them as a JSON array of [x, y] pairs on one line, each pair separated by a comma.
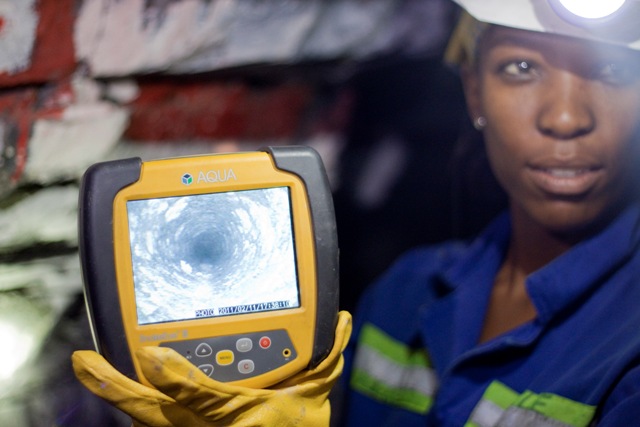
[[186, 397]]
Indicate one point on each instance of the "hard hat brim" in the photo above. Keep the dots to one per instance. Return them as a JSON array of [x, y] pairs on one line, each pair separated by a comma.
[[541, 16]]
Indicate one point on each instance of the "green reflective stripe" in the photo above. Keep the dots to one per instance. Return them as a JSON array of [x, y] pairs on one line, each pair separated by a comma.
[[502, 406], [496, 398], [410, 400], [518, 417], [375, 338], [485, 414], [488, 414], [557, 407], [388, 371], [500, 394]]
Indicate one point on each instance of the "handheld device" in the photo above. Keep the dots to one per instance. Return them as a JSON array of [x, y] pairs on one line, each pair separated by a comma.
[[230, 259]]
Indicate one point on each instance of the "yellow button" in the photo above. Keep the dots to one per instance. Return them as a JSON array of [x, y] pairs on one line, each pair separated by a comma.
[[224, 357]]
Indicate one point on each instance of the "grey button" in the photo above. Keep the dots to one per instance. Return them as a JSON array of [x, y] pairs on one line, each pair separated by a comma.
[[246, 366], [203, 350], [207, 369], [244, 344]]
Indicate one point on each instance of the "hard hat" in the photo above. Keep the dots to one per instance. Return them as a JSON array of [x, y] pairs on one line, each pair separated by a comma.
[[609, 21], [617, 23]]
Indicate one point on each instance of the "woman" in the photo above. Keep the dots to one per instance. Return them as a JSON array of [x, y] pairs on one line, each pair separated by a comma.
[[536, 321]]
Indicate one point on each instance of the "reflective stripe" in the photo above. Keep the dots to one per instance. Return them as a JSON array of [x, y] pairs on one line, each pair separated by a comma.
[[387, 370], [485, 414], [496, 398], [502, 407], [518, 417], [394, 375], [557, 407], [488, 414]]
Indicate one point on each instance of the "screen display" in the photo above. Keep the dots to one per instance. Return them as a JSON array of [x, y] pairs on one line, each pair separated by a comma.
[[212, 255]]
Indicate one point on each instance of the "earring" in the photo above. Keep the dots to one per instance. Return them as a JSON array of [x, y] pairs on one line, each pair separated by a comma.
[[479, 123]]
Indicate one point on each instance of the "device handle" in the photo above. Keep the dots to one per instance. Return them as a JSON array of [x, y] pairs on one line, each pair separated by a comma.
[[306, 163], [99, 186]]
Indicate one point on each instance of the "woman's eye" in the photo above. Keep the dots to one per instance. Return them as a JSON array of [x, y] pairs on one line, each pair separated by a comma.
[[617, 73], [520, 70]]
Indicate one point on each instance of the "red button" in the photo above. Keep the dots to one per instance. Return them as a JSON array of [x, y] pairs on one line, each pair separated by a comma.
[[265, 342]]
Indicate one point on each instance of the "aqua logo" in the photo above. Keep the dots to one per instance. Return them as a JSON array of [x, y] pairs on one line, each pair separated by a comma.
[[187, 179], [213, 176]]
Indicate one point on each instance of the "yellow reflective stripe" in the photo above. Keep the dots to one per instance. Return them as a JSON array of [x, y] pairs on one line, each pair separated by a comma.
[[389, 371], [502, 406]]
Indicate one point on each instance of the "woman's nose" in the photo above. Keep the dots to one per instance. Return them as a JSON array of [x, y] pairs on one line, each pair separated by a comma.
[[566, 111]]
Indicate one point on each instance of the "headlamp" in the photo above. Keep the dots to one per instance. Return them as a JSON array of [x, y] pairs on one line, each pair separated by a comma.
[[588, 9]]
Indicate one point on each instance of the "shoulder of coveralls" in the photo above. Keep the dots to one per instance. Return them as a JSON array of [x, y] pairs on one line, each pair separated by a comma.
[[622, 407], [411, 281], [418, 277]]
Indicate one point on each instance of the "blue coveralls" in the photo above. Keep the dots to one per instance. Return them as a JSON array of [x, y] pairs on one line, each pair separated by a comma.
[[414, 358]]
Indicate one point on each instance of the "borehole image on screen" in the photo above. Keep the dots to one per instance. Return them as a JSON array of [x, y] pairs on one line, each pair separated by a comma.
[[212, 255]]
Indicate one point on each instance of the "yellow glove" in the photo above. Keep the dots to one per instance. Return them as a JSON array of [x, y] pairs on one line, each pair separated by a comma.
[[187, 397]]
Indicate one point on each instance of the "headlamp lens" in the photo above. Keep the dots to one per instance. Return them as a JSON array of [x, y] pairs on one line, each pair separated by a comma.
[[592, 9]]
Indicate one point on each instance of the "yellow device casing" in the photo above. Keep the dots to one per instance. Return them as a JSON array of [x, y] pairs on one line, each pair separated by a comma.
[[290, 332]]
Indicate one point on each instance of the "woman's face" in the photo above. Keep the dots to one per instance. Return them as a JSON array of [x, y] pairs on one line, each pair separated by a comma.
[[563, 119]]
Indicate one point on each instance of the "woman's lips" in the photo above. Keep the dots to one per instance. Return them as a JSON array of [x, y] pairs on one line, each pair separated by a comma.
[[565, 180]]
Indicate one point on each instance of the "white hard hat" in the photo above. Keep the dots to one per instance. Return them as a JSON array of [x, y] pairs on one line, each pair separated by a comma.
[[618, 23]]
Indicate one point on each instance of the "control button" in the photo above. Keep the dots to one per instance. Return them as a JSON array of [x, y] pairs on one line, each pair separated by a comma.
[[207, 369], [224, 357], [265, 342], [244, 344], [203, 350], [246, 366]]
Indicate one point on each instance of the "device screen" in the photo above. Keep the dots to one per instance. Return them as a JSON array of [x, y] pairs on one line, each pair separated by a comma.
[[214, 254]]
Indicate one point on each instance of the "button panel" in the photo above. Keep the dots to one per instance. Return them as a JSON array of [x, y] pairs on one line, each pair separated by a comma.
[[236, 357]]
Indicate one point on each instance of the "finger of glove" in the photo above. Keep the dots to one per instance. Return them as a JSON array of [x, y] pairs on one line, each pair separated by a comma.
[[105, 381], [317, 385], [180, 379], [328, 371], [224, 405], [343, 330], [174, 375], [147, 406]]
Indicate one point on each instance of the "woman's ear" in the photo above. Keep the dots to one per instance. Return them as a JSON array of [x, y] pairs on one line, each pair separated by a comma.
[[471, 85]]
